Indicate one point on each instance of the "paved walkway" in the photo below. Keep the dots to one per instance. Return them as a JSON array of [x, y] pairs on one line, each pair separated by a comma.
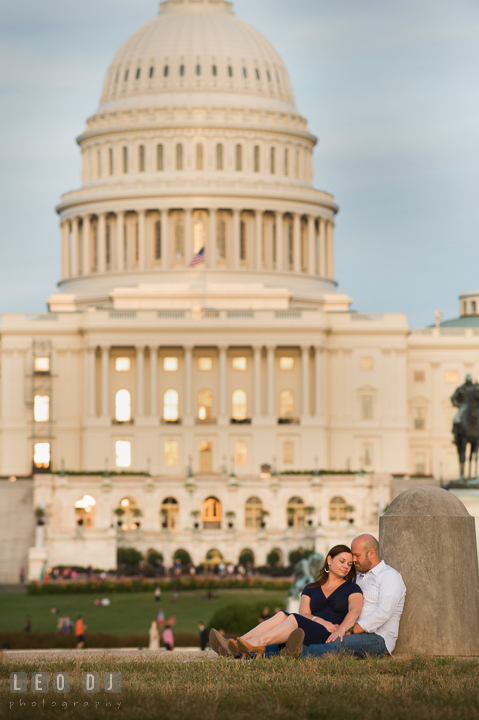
[[117, 654]]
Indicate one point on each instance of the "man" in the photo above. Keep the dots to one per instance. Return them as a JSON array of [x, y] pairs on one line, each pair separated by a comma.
[[80, 629], [203, 635]]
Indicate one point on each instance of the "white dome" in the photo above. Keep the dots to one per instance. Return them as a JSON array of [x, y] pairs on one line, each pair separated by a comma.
[[197, 46]]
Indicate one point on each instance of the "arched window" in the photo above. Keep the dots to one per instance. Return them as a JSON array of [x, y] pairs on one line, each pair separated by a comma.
[[239, 158], [211, 513], [85, 511], [219, 156], [199, 235], [221, 239], [256, 158], [170, 406], [169, 513], [199, 157], [123, 406], [41, 408], [337, 509], [158, 240], [243, 240], [272, 161], [239, 405], [295, 512], [286, 405], [159, 158], [128, 514], [141, 158], [179, 156], [205, 403], [253, 512], [179, 239], [125, 160]]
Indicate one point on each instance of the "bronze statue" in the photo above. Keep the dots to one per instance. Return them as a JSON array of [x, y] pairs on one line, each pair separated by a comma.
[[466, 423]]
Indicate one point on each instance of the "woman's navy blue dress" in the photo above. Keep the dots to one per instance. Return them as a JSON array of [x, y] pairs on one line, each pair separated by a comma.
[[333, 609]]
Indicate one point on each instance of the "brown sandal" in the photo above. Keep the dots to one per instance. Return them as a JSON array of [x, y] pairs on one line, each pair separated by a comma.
[[245, 649]]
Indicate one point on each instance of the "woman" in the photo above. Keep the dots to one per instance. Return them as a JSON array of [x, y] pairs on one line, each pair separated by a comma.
[[329, 607]]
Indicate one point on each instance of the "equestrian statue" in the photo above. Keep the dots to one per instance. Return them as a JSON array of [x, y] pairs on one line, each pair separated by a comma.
[[466, 423]]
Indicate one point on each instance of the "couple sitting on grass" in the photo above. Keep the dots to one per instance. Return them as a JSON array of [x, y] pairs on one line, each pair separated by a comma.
[[355, 604]]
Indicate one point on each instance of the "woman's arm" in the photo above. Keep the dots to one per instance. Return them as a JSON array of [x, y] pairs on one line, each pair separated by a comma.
[[305, 611], [355, 605]]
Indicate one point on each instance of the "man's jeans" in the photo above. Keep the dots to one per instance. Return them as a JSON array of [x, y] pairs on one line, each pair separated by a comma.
[[359, 645]]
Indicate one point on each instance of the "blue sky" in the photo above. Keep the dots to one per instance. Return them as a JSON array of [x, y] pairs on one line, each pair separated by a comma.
[[390, 88]]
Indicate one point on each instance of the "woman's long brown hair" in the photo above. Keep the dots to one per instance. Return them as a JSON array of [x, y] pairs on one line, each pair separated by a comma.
[[323, 575]]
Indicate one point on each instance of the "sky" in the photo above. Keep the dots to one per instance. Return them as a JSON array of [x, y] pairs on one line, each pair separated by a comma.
[[391, 90]]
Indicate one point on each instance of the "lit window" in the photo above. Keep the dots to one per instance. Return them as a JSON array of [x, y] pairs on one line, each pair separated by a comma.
[[205, 364], [125, 503], [84, 511], [170, 364], [123, 453], [288, 452], [42, 364], [419, 376], [241, 452], [171, 453], [419, 418], [367, 407], [239, 363], [41, 455], [452, 376], [205, 403], [420, 464], [170, 406], [123, 406], [169, 513], [337, 509], [240, 408], [41, 408], [286, 363], [211, 510], [367, 455], [122, 364], [286, 405], [367, 363], [253, 513]]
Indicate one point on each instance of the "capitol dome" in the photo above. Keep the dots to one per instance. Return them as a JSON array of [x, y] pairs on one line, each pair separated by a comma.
[[197, 145]]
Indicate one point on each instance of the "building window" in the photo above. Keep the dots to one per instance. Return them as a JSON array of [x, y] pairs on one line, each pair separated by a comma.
[[239, 405], [98, 156], [419, 376], [214, 70], [286, 405], [179, 156], [125, 160], [272, 161], [84, 511], [111, 163], [171, 453], [239, 363], [288, 452], [141, 158], [256, 158], [169, 513], [419, 418], [239, 158], [230, 71], [199, 235], [159, 158], [221, 240], [245, 73], [128, 512], [198, 70], [205, 364], [199, 157], [42, 365], [268, 74], [138, 73], [170, 364], [211, 512], [108, 245], [122, 364], [257, 74], [295, 512], [182, 70], [253, 513], [123, 453], [170, 406], [367, 456], [366, 407], [179, 239], [452, 376], [205, 403], [41, 408], [473, 307], [290, 246], [286, 162], [41, 455], [127, 72], [166, 71], [206, 456], [241, 452], [337, 509], [219, 156], [123, 406], [420, 463], [367, 363], [242, 240], [158, 240], [152, 72], [286, 363]]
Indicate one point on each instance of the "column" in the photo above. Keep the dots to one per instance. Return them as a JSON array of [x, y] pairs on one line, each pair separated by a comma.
[[311, 245], [140, 381], [75, 247], [235, 250], [65, 228], [257, 380], [270, 380], [330, 241], [296, 243], [102, 242], [258, 239], [211, 249], [323, 252], [142, 260], [120, 240], [91, 381], [188, 236], [188, 382], [153, 381], [86, 245], [318, 381], [105, 381], [280, 253], [305, 382], [166, 251], [222, 378]]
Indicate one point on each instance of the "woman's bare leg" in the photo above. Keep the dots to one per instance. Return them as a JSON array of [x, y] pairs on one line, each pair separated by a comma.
[[276, 635], [265, 626]]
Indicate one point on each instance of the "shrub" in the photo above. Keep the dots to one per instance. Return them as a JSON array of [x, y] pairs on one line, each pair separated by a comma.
[[129, 585], [238, 618], [246, 557], [183, 556], [129, 556], [19, 640], [153, 557], [273, 558]]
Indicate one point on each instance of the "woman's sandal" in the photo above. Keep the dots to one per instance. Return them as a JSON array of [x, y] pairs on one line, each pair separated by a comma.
[[233, 648], [245, 649]]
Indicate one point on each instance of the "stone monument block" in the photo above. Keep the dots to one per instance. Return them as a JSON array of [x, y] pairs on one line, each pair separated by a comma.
[[428, 536]]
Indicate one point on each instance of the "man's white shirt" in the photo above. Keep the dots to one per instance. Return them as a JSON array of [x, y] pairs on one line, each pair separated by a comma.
[[384, 593]]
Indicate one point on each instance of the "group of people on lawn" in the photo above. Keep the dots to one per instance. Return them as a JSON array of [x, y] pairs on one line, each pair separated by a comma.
[[355, 604]]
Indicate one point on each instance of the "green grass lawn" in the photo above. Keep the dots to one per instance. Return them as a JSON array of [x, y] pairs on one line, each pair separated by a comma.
[[129, 614], [275, 689]]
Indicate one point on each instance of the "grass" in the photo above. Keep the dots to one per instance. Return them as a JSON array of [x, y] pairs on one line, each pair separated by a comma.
[[275, 689], [128, 614]]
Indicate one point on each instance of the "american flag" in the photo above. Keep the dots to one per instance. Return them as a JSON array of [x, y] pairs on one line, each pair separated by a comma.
[[198, 258]]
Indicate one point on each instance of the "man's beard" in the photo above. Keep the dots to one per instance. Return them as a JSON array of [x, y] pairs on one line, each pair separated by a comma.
[[364, 567]]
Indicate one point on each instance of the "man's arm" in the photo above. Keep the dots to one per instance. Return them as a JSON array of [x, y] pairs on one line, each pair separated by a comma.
[[390, 592]]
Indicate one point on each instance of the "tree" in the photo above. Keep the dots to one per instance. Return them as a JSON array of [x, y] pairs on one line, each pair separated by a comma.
[[273, 558], [153, 557], [246, 556], [183, 556]]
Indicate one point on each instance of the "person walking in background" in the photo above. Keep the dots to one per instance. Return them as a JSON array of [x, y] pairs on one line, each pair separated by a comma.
[[168, 637], [157, 594], [28, 624], [160, 619], [22, 575], [154, 637], [203, 635], [80, 629]]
